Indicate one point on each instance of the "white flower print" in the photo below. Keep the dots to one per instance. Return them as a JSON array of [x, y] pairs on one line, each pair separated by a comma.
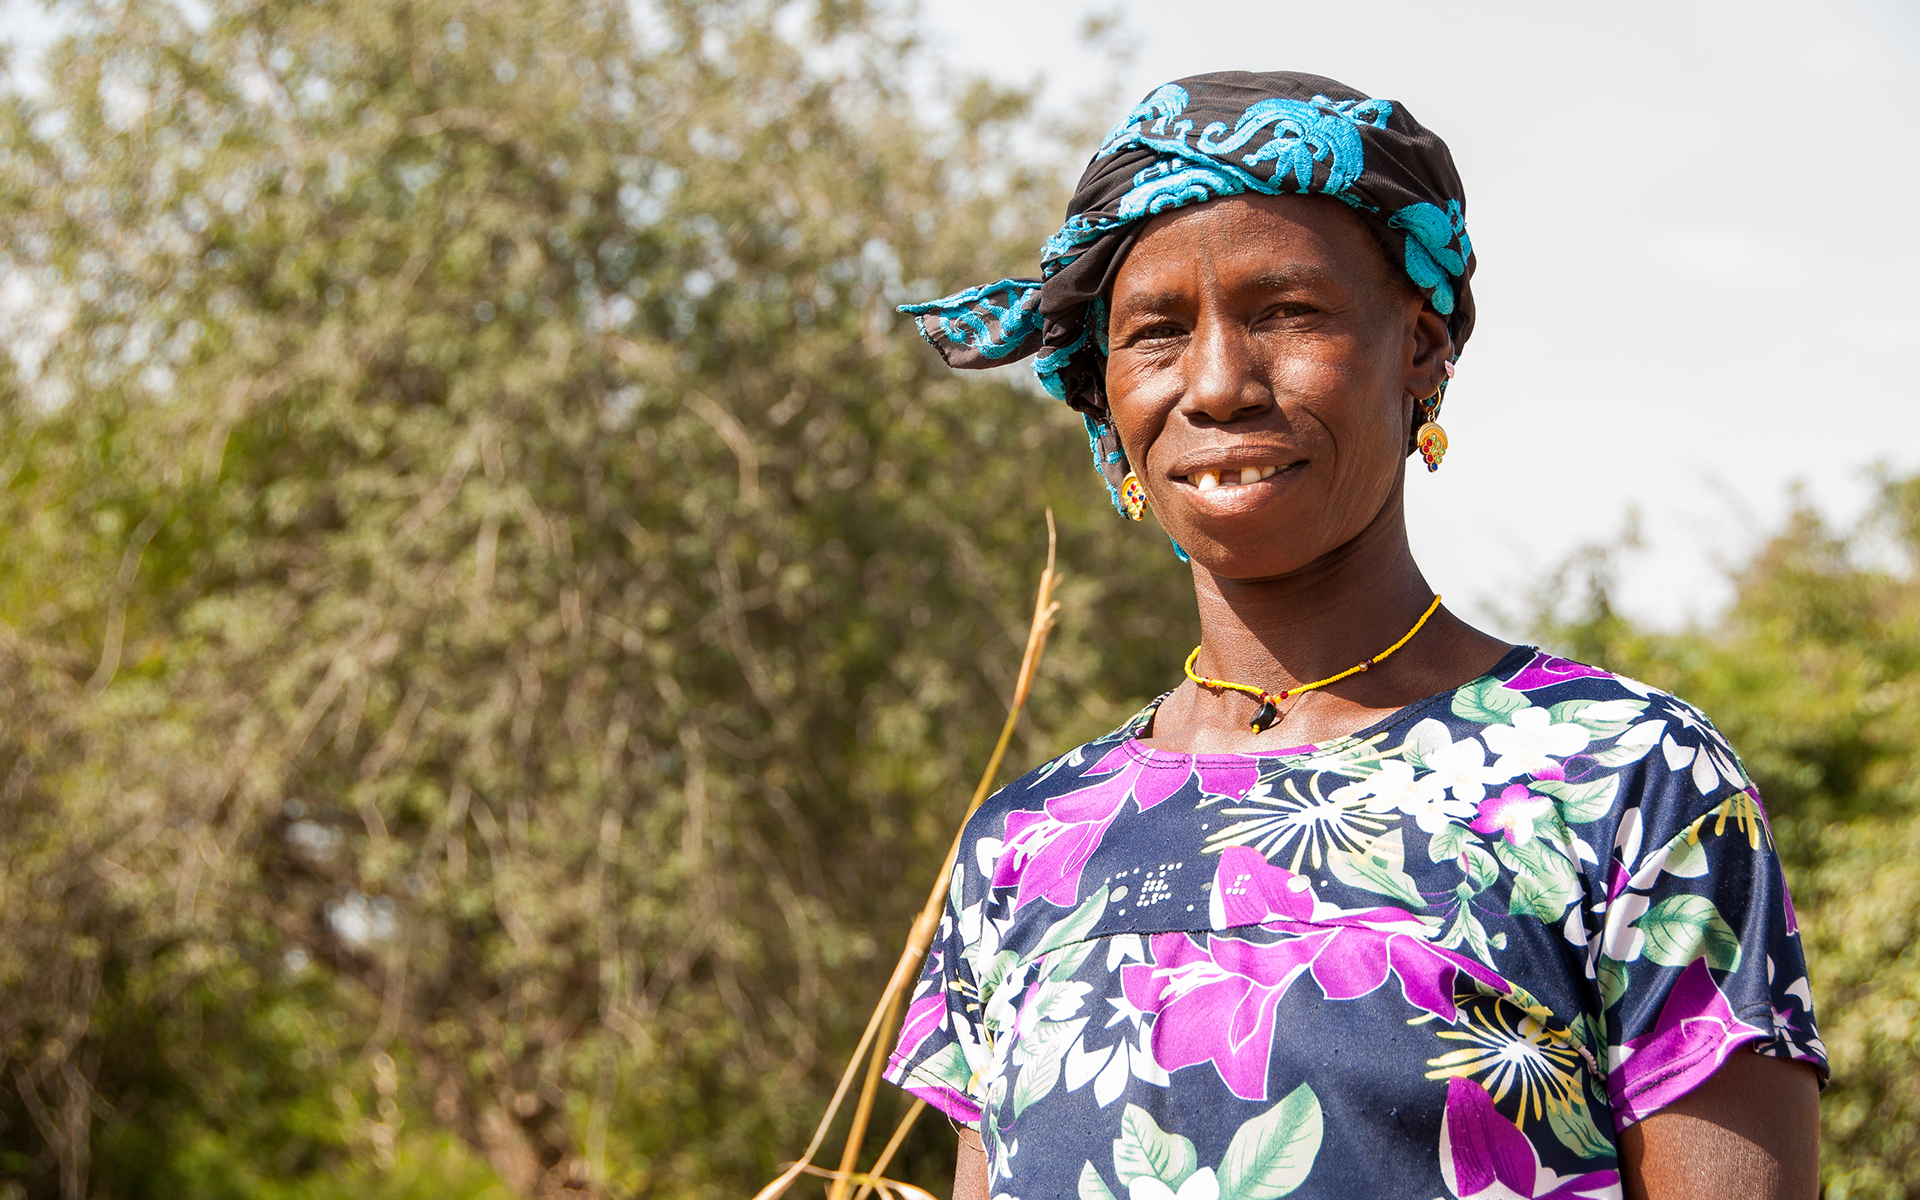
[[1462, 769], [1396, 788], [1621, 941], [1533, 743]]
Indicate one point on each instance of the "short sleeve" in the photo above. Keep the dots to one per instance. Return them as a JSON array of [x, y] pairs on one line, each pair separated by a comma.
[[940, 1054], [1700, 953]]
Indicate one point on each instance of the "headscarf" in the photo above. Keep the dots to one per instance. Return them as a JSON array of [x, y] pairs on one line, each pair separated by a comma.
[[1190, 141]]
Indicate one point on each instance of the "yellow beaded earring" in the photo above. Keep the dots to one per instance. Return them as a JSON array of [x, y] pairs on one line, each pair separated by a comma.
[[1133, 497]]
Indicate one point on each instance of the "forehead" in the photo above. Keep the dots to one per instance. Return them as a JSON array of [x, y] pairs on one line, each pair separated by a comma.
[[1264, 237]]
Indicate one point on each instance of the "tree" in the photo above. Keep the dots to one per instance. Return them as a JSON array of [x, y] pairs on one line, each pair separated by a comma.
[[500, 613]]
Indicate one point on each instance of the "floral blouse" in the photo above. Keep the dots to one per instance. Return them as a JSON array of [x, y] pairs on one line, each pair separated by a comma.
[[1454, 954]]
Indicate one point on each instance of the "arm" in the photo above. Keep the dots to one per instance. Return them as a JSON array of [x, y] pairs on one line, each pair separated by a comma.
[[1750, 1132], [970, 1175]]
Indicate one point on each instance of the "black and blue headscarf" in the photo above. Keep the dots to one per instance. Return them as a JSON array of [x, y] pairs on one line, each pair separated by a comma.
[[1194, 140]]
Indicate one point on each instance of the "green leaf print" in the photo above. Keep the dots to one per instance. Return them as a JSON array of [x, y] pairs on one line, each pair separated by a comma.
[[1603, 718], [1544, 883], [1039, 1055], [1075, 926], [1423, 741], [1680, 929], [1480, 867], [1448, 843], [1466, 929], [1379, 866], [1485, 702], [948, 1066], [1575, 1128], [1146, 1151], [1633, 745], [1580, 803], [1271, 1154], [1092, 1187], [1613, 981]]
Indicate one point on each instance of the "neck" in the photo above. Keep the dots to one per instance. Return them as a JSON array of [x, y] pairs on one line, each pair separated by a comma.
[[1339, 610]]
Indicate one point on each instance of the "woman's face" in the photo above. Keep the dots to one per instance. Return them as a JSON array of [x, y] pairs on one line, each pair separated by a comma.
[[1261, 372]]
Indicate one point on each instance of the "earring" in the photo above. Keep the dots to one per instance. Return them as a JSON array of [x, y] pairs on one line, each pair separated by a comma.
[[1430, 438], [1133, 497], [1432, 441]]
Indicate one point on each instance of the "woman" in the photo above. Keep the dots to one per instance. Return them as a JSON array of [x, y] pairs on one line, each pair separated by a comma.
[[1372, 904]]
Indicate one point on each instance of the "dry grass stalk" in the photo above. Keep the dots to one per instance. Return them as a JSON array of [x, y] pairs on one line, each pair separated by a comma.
[[875, 1040]]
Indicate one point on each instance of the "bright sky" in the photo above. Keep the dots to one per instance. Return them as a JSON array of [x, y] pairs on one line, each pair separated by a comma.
[[1697, 254]]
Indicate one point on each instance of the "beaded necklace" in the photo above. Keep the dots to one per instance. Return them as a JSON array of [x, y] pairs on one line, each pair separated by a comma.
[[1269, 714]]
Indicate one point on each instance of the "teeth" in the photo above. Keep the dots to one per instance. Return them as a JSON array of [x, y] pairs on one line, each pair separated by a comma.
[[1206, 481]]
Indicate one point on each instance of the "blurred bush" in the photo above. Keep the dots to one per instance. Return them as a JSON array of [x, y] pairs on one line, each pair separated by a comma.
[[501, 616]]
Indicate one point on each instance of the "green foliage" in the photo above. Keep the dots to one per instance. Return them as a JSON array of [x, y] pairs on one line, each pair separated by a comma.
[[501, 615], [1815, 675]]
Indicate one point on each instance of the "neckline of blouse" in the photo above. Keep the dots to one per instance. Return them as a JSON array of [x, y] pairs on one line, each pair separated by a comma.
[[1510, 664]]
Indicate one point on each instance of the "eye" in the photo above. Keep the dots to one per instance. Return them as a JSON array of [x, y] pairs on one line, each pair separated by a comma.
[[1156, 331], [1289, 309]]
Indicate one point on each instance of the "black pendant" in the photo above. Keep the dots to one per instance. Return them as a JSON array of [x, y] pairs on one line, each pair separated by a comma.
[[1265, 716]]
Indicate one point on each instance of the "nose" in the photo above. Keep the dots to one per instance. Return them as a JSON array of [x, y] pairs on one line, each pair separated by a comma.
[[1223, 380]]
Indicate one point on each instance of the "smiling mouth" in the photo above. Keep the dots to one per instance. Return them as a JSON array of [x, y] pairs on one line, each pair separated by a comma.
[[1229, 477]]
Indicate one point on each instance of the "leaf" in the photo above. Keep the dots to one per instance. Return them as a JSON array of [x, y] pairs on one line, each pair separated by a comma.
[[1037, 1078], [1146, 1151], [1075, 926], [1613, 981], [1481, 868], [1272, 1154], [1680, 929], [1379, 867], [1092, 1187], [1069, 961], [1617, 716], [1575, 1128], [1533, 898], [1467, 929], [1424, 740], [1580, 803], [1448, 842], [1544, 883], [1486, 702]]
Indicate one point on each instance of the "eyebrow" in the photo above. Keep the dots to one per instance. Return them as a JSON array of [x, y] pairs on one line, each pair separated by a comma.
[[1268, 281]]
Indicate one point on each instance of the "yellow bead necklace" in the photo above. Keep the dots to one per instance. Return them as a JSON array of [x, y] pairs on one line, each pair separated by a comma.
[[1269, 714]]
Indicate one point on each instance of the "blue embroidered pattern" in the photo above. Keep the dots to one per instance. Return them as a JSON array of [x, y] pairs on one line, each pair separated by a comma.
[[969, 318], [1433, 260]]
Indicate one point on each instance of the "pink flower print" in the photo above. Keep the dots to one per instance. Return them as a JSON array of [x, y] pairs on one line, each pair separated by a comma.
[[1545, 670], [1533, 743], [1483, 1156], [1044, 852], [1511, 814], [924, 1018], [1695, 1034], [1215, 1003]]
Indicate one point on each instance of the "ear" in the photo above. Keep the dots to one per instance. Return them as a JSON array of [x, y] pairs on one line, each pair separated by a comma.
[[1432, 347]]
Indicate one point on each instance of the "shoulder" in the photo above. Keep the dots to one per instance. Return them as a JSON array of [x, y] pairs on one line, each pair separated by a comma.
[[1595, 739]]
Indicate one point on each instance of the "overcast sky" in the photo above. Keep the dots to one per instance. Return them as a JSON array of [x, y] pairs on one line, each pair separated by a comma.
[[1697, 253]]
